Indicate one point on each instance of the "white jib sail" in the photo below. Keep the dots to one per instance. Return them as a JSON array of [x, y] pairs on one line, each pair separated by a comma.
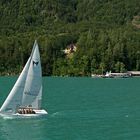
[[32, 93], [15, 96]]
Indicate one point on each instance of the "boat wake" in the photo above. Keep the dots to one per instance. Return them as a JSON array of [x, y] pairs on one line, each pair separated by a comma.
[[11, 117], [8, 118], [71, 114], [56, 114]]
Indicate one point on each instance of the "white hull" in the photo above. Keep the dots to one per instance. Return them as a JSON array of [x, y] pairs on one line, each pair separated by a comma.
[[38, 113]]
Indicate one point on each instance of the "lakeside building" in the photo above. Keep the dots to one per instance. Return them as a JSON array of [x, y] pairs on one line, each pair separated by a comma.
[[134, 73]]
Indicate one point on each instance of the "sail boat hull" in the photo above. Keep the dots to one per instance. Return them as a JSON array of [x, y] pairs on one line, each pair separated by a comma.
[[38, 113]]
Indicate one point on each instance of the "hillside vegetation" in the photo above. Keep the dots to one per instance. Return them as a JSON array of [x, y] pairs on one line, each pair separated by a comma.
[[105, 32]]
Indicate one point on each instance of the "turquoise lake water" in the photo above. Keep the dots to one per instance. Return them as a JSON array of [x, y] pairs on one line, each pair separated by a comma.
[[79, 109]]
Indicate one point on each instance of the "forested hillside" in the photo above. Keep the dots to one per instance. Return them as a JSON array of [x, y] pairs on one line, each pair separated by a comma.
[[105, 32]]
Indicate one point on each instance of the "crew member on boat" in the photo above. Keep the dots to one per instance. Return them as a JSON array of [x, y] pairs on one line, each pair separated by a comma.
[[25, 111]]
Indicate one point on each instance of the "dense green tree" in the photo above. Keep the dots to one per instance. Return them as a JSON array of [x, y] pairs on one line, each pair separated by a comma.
[[105, 32]]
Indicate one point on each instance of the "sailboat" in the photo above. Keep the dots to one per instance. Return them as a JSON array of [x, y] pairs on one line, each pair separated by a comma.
[[25, 97]]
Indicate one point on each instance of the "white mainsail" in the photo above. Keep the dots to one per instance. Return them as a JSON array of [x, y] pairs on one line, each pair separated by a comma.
[[28, 88], [33, 87]]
